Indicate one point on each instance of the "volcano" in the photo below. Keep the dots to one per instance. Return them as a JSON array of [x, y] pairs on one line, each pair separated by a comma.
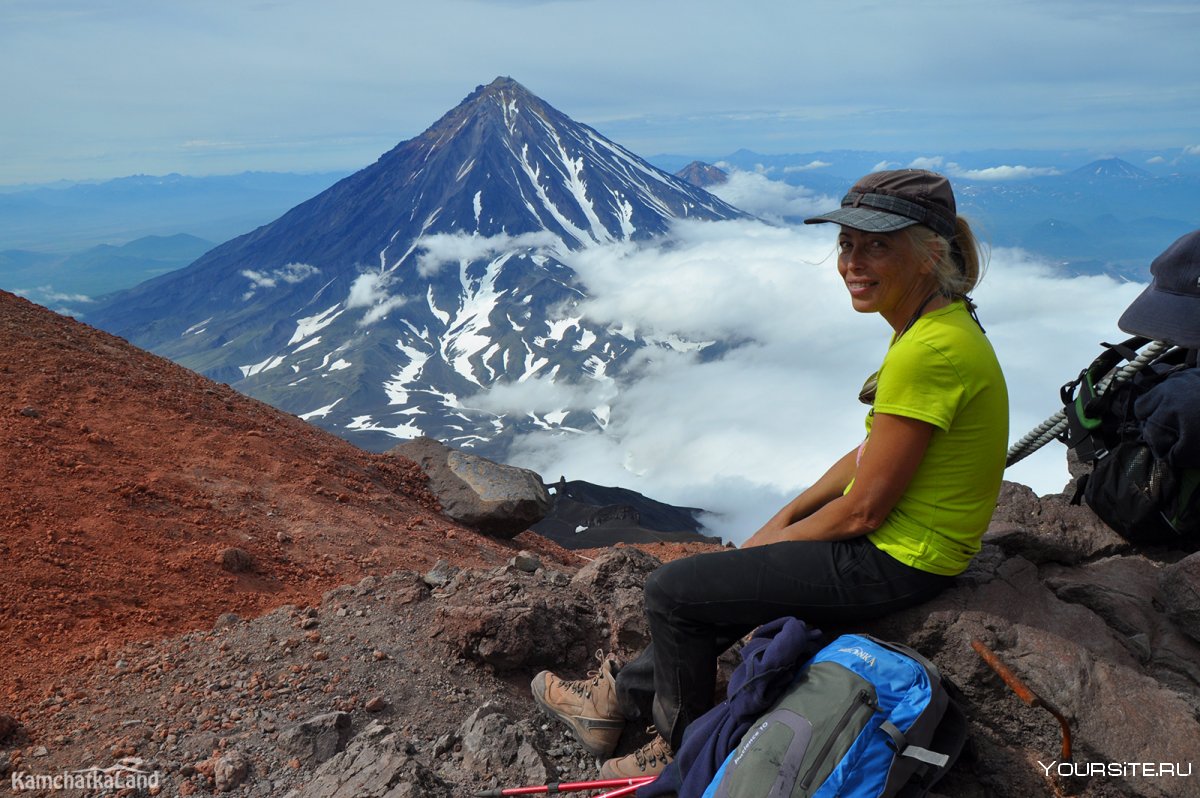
[[379, 308]]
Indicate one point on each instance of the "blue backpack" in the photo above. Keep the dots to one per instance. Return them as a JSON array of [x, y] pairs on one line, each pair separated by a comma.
[[863, 718]]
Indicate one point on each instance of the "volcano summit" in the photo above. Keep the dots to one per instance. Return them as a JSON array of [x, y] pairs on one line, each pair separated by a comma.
[[380, 307]]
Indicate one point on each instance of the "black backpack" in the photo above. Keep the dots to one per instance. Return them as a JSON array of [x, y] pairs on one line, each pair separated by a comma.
[[1139, 436]]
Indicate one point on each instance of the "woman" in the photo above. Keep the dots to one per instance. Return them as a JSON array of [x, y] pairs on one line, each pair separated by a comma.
[[887, 526]]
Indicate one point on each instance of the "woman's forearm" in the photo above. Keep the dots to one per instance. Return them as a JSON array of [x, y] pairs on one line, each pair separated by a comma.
[[827, 512], [829, 487]]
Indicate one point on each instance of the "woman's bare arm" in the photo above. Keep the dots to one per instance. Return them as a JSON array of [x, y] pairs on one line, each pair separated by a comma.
[[890, 459]]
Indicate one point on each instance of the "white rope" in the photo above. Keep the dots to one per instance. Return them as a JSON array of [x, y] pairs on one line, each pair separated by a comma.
[[1053, 427]]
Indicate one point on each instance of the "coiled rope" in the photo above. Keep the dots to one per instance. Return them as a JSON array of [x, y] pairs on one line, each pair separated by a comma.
[[1053, 427]]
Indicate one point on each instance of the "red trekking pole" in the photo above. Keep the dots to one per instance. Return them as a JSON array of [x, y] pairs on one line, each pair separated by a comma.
[[624, 787]]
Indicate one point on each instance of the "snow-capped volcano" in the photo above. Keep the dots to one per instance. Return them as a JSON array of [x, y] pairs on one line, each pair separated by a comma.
[[378, 308]]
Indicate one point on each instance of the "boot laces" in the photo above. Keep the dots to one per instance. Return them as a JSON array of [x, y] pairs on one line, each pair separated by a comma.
[[584, 687], [652, 751]]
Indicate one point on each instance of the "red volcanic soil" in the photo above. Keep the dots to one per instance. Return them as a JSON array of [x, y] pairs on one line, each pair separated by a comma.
[[141, 500]]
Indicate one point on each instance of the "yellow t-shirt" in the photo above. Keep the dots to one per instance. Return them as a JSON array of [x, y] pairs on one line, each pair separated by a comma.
[[943, 371]]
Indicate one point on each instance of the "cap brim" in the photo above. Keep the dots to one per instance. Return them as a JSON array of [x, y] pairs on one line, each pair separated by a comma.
[[868, 220], [1163, 316]]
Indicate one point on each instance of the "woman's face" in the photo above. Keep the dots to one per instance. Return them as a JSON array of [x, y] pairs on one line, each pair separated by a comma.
[[883, 274]]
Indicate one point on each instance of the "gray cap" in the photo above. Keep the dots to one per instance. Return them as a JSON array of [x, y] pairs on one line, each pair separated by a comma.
[[885, 201]]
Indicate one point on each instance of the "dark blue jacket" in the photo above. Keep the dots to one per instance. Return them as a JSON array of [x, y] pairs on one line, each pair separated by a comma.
[[1170, 414], [770, 661]]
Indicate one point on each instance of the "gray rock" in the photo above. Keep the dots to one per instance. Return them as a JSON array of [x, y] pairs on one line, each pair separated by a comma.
[[1179, 584], [230, 770], [619, 567], [496, 499], [440, 574], [616, 578], [1122, 592], [374, 765], [514, 623], [526, 562], [318, 738], [492, 743], [1049, 529]]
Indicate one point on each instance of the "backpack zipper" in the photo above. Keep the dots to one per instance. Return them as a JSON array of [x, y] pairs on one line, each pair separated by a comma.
[[861, 698]]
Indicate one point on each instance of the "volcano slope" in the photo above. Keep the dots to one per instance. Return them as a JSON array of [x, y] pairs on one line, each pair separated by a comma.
[[142, 500]]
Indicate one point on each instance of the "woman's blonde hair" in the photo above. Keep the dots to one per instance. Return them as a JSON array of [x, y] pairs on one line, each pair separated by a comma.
[[958, 265]]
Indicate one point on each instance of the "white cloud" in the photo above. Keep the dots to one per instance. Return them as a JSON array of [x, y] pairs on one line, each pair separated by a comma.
[[367, 290], [381, 309], [442, 248], [883, 165], [1157, 159], [933, 163], [1192, 150], [48, 294], [370, 290], [1001, 172], [741, 433], [937, 163], [769, 199], [808, 167], [541, 395], [290, 274]]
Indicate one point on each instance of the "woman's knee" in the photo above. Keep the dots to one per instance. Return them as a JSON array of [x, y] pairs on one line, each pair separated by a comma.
[[662, 588]]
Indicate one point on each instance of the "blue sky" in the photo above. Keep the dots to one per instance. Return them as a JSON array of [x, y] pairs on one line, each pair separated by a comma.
[[103, 89]]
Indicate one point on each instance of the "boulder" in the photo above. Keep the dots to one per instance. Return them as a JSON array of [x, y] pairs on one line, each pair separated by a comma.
[[496, 499], [1050, 528], [377, 763], [1179, 584], [230, 770], [514, 620], [317, 738], [494, 743]]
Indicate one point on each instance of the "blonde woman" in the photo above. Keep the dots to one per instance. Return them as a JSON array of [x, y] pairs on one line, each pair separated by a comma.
[[888, 526]]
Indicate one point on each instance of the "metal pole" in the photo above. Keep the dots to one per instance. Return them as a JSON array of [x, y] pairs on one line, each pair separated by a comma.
[[630, 784]]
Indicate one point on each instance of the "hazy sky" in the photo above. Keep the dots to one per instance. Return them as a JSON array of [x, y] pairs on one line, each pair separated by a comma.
[[105, 88]]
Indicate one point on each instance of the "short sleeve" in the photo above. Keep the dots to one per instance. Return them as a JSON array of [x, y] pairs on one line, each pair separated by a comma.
[[918, 381]]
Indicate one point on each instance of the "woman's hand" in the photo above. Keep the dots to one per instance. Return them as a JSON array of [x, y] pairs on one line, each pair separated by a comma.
[[892, 454]]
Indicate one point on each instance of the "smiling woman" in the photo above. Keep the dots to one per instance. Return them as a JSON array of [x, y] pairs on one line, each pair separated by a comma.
[[888, 526]]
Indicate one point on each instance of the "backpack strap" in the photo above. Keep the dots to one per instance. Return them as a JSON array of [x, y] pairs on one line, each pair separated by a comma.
[[1084, 404], [903, 748], [950, 737]]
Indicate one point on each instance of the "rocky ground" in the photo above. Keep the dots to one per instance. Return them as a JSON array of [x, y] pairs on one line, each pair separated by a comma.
[[201, 588], [142, 500]]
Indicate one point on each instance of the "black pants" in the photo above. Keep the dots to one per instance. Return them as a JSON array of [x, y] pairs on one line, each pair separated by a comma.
[[701, 605]]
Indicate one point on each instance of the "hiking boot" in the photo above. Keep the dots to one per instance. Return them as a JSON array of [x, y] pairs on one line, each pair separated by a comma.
[[649, 760], [589, 706]]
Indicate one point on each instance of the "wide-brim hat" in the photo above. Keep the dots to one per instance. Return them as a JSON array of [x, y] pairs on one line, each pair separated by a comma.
[[1169, 309], [883, 202]]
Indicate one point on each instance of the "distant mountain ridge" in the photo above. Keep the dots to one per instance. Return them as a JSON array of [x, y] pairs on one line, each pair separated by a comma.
[[70, 283], [377, 308], [63, 219]]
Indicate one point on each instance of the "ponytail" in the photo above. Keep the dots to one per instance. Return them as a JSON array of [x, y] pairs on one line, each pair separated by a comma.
[[958, 264]]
